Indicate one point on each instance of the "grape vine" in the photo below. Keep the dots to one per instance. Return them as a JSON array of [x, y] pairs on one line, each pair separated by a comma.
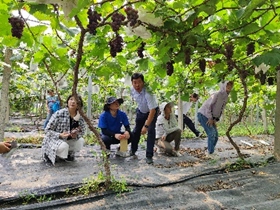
[[262, 78], [132, 15], [93, 17], [17, 26], [188, 56], [229, 50], [117, 21], [116, 45], [250, 48], [140, 50], [202, 65], [170, 68]]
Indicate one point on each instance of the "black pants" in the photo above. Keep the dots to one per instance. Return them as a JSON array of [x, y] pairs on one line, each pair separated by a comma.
[[188, 122], [112, 140], [151, 136]]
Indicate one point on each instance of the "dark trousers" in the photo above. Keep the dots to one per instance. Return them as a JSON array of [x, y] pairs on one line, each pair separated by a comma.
[[112, 140], [188, 122], [176, 136], [139, 123]]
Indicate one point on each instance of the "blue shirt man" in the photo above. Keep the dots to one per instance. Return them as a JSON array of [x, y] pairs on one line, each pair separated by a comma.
[[146, 116]]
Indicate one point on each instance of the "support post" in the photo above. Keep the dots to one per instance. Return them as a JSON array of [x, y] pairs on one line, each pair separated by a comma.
[[277, 121], [5, 91]]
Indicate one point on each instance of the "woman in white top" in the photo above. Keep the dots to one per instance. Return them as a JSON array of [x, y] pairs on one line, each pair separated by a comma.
[[167, 130]]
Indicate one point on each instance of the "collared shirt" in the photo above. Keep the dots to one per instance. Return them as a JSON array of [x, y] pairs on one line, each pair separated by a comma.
[[145, 100]]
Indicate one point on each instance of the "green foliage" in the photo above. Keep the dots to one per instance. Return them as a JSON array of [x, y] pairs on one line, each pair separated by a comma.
[[203, 27], [45, 198], [271, 57], [118, 186], [26, 197], [90, 139], [240, 164], [92, 185], [238, 130], [241, 130]]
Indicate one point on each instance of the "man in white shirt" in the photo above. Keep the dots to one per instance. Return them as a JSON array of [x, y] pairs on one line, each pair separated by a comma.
[[146, 116], [186, 120]]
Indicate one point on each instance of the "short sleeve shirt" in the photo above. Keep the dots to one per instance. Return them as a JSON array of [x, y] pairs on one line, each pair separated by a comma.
[[113, 124], [145, 100]]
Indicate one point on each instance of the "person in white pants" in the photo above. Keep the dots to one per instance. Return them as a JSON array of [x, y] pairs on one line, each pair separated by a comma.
[[70, 146], [64, 133]]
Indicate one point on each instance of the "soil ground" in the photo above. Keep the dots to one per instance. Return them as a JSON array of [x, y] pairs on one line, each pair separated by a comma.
[[192, 181]]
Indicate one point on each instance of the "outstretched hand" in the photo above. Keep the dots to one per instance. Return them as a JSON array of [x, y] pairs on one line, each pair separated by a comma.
[[4, 147]]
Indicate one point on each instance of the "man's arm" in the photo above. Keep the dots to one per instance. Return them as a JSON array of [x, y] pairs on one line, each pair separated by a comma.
[[150, 117], [148, 121]]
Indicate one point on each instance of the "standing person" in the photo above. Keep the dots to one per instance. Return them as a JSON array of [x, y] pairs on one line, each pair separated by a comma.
[[146, 116], [50, 100], [186, 120], [167, 130], [210, 112], [64, 132], [111, 121]]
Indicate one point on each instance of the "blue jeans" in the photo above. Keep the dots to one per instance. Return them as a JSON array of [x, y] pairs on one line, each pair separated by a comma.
[[139, 123], [48, 118], [211, 131]]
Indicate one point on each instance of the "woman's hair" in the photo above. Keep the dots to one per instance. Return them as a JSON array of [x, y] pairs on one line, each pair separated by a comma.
[[80, 102], [106, 107], [136, 76], [230, 83], [50, 90]]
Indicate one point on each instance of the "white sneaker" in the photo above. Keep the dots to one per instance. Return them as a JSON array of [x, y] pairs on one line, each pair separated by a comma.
[[211, 156], [199, 135], [177, 153], [122, 154]]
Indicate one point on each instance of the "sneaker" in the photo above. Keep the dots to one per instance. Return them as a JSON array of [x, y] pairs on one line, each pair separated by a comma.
[[71, 156], [131, 153], [177, 153], [121, 154], [162, 150], [199, 135], [211, 156], [149, 160]]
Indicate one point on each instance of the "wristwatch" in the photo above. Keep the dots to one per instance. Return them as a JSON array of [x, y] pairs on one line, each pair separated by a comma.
[[146, 126]]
